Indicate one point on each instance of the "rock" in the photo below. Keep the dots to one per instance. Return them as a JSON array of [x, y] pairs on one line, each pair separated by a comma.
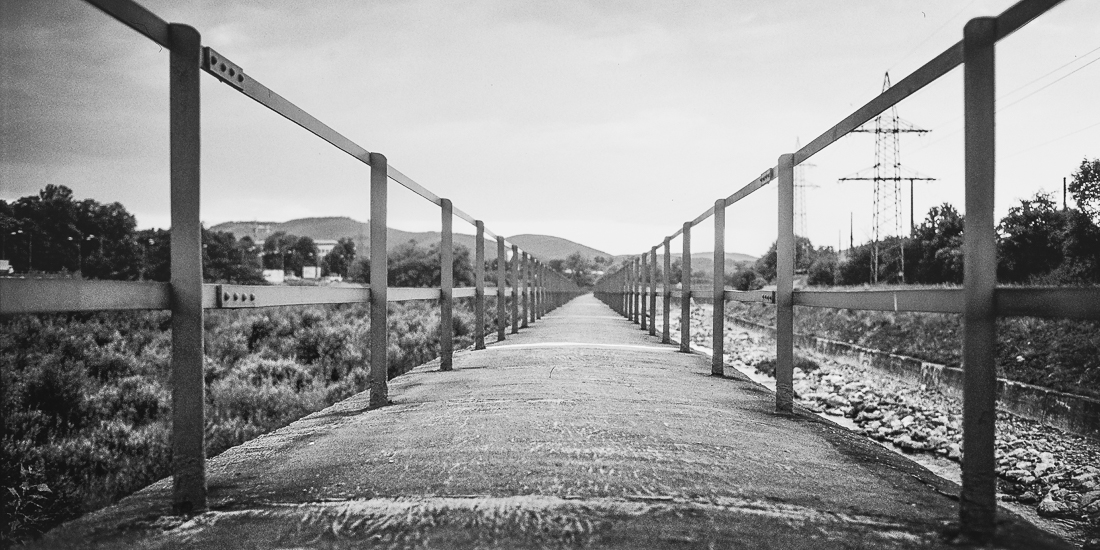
[[1028, 497], [953, 452], [1050, 507], [1089, 498]]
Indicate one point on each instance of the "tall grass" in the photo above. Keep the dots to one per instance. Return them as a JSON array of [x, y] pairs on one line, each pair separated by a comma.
[[86, 397]]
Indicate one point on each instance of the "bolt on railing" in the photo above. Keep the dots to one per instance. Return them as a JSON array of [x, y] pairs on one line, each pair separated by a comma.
[[185, 295], [979, 301]]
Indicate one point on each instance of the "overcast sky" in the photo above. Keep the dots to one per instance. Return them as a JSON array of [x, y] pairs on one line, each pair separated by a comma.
[[609, 123]]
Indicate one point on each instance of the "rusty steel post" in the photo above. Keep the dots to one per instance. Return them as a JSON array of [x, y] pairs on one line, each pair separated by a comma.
[[502, 280], [641, 278], [446, 290], [188, 384], [978, 503], [525, 288], [666, 294], [685, 300], [379, 283], [784, 287], [653, 291], [515, 289], [479, 286], [718, 321]]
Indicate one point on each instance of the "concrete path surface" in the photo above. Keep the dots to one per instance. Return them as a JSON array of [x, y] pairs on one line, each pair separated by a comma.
[[582, 431]]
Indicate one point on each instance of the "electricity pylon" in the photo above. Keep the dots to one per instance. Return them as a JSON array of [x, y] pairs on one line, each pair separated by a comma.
[[888, 175], [800, 186]]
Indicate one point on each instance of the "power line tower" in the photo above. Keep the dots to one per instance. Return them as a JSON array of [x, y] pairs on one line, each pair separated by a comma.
[[800, 186], [887, 174]]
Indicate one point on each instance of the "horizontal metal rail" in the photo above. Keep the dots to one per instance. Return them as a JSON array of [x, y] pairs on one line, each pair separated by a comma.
[[56, 295], [136, 17], [19, 296], [1050, 302]]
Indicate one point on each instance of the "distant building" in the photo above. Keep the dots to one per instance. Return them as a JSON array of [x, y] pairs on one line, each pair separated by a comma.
[[324, 246], [275, 276]]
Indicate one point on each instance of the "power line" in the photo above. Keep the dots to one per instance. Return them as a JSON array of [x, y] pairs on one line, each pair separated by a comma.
[[929, 37], [1017, 89], [1089, 127], [999, 109]]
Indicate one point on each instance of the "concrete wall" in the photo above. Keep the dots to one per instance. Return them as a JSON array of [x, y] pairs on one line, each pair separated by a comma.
[[1072, 413]]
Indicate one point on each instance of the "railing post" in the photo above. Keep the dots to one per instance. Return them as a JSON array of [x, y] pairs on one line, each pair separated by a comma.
[[718, 326], [502, 280], [379, 283], [541, 309], [685, 300], [532, 283], [188, 385], [643, 275], [784, 287], [653, 291], [635, 287], [479, 286], [977, 503], [666, 294], [446, 288], [515, 289], [525, 272]]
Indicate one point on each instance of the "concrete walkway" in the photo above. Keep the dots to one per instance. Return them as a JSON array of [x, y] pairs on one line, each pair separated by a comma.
[[582, 431]]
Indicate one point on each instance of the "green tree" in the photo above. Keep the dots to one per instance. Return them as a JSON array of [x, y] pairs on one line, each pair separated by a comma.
[[1029, 243], [1085, 187], [937, 247], [411, 265], [52, 232], [824, 269], [225, 259], [338, 261], [580, 269], [155, 246], [302, 253], [277, 251], [804, 255]]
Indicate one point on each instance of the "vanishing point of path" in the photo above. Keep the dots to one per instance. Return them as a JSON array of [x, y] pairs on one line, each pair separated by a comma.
[[581, 431]]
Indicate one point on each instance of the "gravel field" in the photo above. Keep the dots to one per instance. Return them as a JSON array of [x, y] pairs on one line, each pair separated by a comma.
[[1041, 469]]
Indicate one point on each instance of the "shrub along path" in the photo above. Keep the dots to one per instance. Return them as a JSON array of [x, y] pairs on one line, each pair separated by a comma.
[[580, 432]]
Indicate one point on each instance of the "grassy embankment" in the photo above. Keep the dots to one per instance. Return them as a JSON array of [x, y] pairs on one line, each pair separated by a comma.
[[86, 397], [1054, 353]]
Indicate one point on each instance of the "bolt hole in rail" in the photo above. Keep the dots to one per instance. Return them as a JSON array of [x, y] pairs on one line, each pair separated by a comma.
[[979, 301], [535, 289]]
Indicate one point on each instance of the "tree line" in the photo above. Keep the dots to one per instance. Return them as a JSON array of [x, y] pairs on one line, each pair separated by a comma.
[[1037, 243], [53, 233]]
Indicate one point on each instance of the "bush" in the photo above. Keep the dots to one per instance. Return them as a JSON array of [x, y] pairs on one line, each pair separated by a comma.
[[86, 397]]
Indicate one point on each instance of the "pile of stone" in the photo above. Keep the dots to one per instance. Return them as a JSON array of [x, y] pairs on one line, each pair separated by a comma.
[[1037, 465]]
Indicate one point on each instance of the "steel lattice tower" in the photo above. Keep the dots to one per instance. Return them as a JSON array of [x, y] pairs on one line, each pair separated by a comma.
[[887, 215], [800, 186]]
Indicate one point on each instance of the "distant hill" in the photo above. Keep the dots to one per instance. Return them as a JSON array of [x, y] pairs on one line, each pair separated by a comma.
[[703, 261], [554, 248], [544, 247], [336, 228]]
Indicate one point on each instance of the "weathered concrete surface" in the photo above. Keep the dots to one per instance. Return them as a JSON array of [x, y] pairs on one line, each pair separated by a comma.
[[579, 432]]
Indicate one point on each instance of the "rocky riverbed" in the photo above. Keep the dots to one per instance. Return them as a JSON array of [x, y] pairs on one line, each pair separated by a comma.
[[1055, 473]]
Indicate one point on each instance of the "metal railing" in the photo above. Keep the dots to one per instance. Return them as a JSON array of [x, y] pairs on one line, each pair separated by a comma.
[[979, 301], [535, 288]]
